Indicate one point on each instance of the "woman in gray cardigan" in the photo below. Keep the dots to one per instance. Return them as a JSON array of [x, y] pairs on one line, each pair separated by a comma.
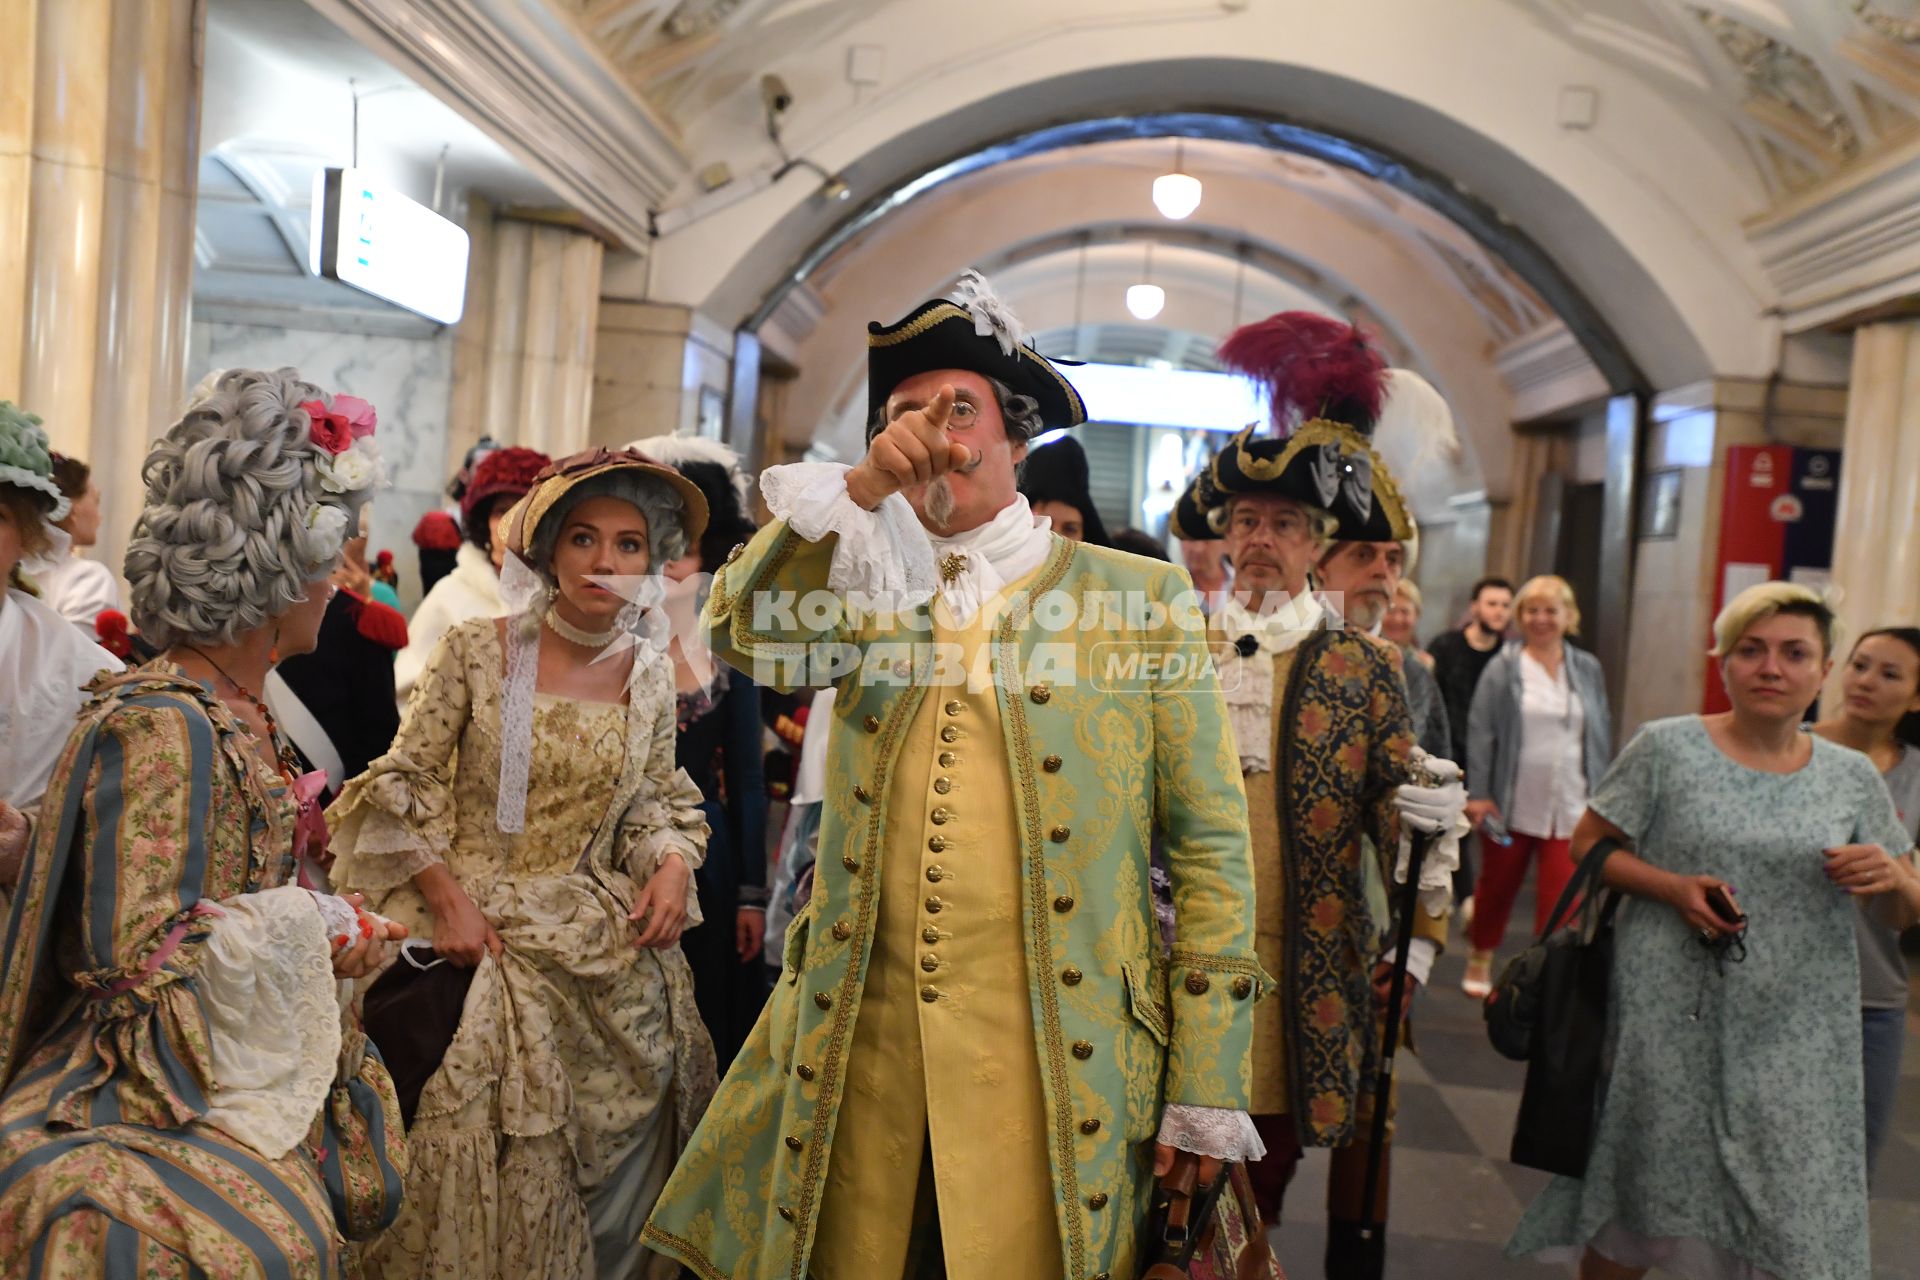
[[1539, 739]]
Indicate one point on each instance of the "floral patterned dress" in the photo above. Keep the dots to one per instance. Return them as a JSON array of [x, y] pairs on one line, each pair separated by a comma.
[[142, 1133], [580, 1065], [1730, 1141]]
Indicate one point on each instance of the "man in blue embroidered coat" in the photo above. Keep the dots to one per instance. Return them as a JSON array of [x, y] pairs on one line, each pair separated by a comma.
[[976, 1039], [1326, 745]]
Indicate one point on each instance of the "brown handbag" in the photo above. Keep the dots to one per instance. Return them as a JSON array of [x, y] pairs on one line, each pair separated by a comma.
[[1206, 1233]]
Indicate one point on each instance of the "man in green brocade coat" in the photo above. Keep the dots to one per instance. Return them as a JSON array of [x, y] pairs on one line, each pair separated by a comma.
[[976, 1039]]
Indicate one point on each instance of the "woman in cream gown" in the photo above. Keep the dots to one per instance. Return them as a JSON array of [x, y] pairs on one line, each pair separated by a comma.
[[530, 820]]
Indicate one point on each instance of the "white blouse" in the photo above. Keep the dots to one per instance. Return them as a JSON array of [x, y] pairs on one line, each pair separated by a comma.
[[45, 664], [1550, 785]]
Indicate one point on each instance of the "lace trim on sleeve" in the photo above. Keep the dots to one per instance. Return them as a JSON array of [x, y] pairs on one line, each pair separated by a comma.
[[390, 850], [882, 552], [273, 1018], [1211, 1131]]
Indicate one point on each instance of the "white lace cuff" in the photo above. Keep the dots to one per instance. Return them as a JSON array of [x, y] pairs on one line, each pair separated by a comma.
[[884, 552], [1421, 953], [273, 1019], [1211, 1131]]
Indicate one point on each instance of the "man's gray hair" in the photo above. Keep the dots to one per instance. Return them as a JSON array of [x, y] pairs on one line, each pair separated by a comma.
[[1020, 412], [657, 501], [226, 542]]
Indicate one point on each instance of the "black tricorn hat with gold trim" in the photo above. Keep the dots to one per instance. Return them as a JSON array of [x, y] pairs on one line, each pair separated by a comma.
[[972, 330], [1325, 384]]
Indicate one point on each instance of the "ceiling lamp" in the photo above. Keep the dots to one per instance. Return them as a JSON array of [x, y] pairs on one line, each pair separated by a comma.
[[1176, 195], [1146, 299]]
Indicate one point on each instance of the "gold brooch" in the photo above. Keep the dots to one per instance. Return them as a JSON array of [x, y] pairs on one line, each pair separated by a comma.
[[952, 565]]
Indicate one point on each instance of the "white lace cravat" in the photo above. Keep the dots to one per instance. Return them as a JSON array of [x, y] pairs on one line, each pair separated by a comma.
[[887, 553]]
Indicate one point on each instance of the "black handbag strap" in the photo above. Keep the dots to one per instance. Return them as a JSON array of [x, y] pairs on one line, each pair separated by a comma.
[[1585, 878]]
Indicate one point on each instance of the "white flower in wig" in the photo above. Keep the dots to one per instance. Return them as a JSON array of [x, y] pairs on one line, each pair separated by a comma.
[[350, 471], [329, 526]]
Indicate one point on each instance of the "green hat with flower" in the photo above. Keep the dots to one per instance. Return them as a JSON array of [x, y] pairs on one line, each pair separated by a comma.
[[25, 459]]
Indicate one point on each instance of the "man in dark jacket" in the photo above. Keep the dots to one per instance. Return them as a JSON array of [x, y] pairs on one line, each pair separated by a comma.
[[1458, 659]]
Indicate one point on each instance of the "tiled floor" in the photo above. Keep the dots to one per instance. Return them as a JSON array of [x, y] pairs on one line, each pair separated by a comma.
[[1456, 1196]]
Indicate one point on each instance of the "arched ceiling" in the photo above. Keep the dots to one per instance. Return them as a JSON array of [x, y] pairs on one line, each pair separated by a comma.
[[1062, 235]]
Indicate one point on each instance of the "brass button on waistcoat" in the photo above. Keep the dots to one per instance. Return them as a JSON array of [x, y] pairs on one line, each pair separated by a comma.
[[942, 816], [938, 844], [1063, 904], [935, 906], [842, 930], [946, 759], [1071, 976], [929, 994], [903, 668], [1059, 834], [793, 1143], [1097, 1201], [1083, 1049], [1090, 1126], [739, 548], [942, 785], [786, 1214], [804, 1071], [936, 873], [1052, 764], [822, 999], [871, 724], [861, 794], [1197, 984], [949, 733], [955, 706], [1040, 693], [929, 935], [1242, 987], [850, 862], [930, 962]]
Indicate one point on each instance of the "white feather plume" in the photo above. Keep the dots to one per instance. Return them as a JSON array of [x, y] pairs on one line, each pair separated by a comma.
[[1415, 423], [991, 315], [672, 450]]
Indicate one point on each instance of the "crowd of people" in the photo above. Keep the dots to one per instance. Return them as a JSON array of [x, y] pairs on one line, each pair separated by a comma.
[[896, 887]]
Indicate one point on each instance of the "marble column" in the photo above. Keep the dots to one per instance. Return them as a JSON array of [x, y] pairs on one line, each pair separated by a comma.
[[99, 156], [523, 360], [1876, 542]]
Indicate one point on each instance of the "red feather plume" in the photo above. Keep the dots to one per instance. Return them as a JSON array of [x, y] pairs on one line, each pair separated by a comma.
[[1312, 367]]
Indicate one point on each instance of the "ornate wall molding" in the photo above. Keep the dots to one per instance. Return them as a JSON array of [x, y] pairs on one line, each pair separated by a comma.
[[534, 82], [1848, 245]]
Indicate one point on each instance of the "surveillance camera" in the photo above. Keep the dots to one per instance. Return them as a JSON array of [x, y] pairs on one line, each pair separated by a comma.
[[775, 94]]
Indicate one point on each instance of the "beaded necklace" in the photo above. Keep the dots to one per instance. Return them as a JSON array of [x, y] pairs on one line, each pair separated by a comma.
[[289, 765]]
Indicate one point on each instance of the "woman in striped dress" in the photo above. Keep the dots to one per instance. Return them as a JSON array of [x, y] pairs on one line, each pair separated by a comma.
[[178, 1084]]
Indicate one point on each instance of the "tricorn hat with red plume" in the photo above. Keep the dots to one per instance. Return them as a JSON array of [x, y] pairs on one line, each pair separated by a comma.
[[1325, 385]]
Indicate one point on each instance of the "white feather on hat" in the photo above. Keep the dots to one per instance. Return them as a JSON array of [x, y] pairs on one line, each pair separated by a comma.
[[672, 450], [991, 315], [1415, 422]]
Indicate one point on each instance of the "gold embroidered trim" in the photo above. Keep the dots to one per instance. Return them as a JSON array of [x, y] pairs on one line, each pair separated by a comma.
[[686, 1251], [1218, 964], [825, 1107], [1064, 1133]]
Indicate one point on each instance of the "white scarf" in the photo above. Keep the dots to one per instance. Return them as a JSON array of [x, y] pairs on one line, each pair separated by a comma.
[[1246, 680], [975, 566]]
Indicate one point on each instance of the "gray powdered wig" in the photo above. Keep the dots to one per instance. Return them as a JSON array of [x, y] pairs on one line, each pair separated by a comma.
[[656, 499], [222, 546]]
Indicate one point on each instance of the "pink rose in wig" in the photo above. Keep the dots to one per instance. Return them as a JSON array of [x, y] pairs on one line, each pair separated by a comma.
[[361, 419], [330, 430]]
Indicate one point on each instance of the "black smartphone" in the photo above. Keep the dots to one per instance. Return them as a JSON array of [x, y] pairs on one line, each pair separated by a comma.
[[1723, 905]]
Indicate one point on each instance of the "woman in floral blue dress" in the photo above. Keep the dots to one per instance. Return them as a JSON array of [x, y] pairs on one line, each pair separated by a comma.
[[1729, 1140]]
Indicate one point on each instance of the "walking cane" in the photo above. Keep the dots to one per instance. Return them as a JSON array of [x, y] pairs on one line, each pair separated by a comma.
[[1372, 1228]]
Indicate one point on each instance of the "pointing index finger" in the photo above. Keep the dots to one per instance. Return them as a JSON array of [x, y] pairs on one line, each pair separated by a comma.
[[940, 408]]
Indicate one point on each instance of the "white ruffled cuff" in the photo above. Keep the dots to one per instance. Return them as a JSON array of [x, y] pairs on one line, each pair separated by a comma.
[[1211, 1131], [884, 552], [273, 1017]]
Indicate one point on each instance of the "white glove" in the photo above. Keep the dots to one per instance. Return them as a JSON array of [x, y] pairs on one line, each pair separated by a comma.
[[1439, 811]]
